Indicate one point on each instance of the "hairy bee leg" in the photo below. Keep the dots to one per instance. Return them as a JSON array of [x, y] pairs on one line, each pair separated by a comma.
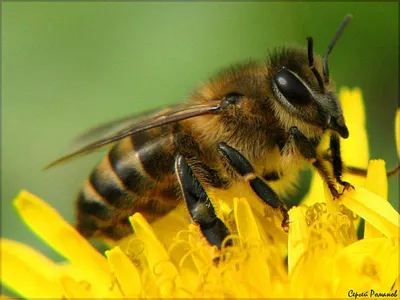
[[323, 172], [307, 149], [243, 167], [303, 144], [337, 163], [199, 205]]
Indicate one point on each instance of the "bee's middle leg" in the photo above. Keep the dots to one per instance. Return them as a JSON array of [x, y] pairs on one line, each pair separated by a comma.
[[199, 205], [243, 167]]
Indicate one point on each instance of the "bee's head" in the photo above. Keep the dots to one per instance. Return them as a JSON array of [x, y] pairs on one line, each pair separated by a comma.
[[302, 92]]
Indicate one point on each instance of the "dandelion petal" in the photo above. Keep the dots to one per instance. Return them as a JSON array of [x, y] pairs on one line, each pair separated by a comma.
[[56, 232], [28, 272], [73, 289], [245, 221], [315, 192], [201, 253], [159, 262], [254, 271], [126, 273], [298, 237], [367, 263], [354, 114], [375, 210], [376, 178], [376, 183]]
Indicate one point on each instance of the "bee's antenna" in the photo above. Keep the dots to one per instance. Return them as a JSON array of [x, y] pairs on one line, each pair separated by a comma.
[[310, 50], [342, 26]]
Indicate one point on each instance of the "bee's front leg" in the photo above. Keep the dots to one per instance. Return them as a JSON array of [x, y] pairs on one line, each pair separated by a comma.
[[243, 167], [199, 205], [337, 163], [307, 150]]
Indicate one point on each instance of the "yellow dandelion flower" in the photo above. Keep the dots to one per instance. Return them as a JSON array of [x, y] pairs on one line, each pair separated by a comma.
[[171, 259]]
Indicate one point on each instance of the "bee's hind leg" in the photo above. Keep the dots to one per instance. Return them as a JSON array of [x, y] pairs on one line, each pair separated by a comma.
[[243, 167], [199, 205]]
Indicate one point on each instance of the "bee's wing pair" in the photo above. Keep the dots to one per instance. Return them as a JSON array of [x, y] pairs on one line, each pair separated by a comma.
[[113, 131]]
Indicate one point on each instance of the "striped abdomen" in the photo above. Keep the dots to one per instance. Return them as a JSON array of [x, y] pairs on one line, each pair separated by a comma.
[[137, 175]]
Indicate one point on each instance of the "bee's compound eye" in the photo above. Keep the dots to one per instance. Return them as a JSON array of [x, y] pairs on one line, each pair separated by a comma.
[[292, 88]]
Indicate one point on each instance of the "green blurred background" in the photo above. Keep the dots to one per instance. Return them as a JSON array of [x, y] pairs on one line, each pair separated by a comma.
[[69, 66]]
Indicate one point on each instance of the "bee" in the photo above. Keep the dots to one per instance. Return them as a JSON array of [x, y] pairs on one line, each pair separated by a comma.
[[260, 122]]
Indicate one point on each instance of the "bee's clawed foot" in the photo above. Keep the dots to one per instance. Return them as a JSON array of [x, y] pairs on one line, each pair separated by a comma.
[[216, 261], [285, 221], [223, 256], [346, 187], [285, 226], [334, 192]]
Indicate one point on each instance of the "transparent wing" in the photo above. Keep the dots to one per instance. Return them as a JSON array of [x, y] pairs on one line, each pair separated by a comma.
[[138, 124], [112, 128]]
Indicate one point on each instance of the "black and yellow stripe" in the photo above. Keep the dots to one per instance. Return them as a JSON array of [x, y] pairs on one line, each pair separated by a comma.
[[138, 175], [131, 178]]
